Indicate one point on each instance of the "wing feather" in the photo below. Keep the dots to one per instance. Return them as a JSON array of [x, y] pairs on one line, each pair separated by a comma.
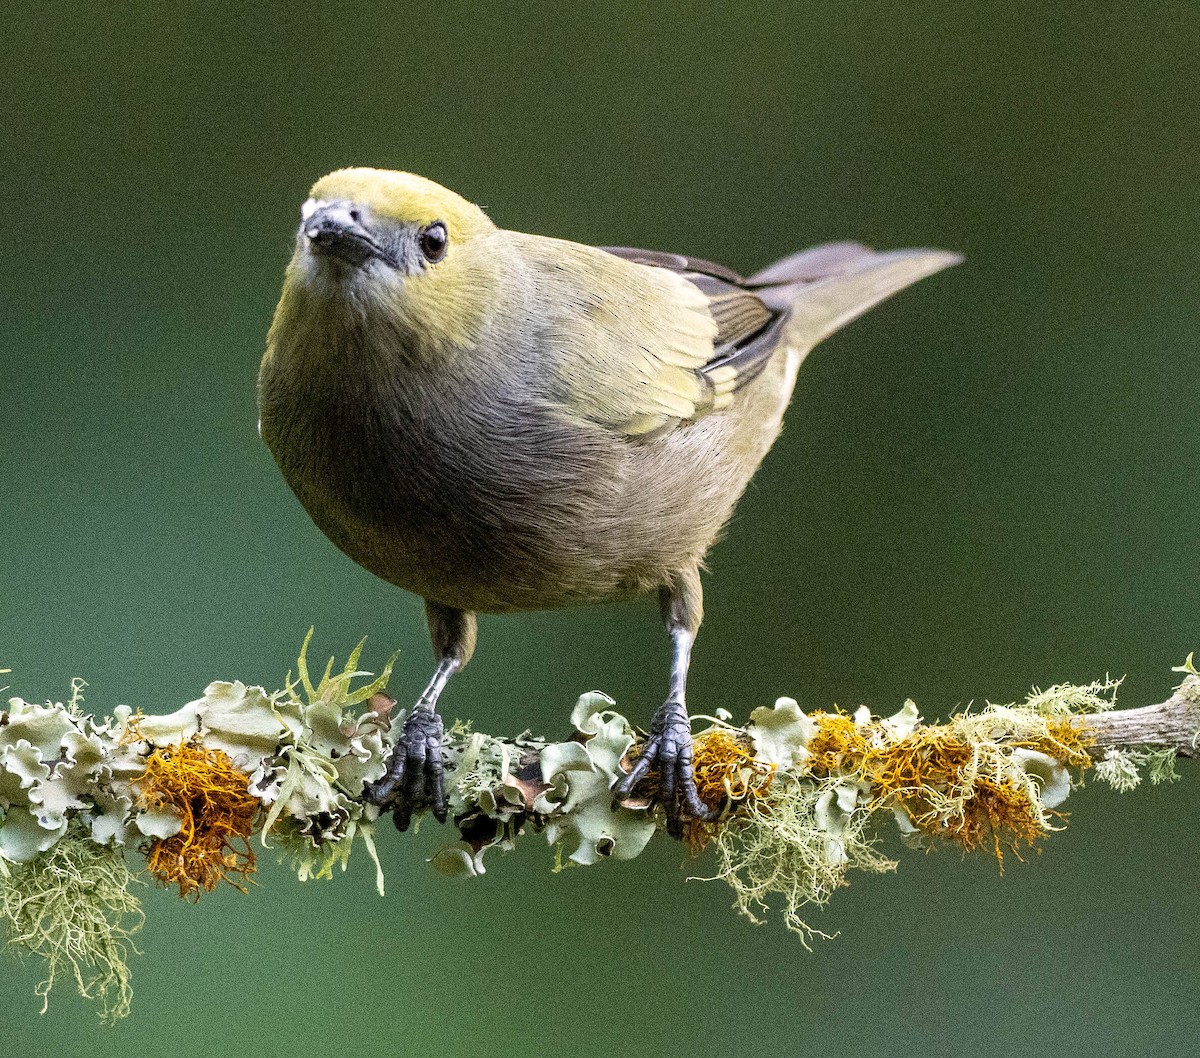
[[747, 330], [633, 346], [650, 340]]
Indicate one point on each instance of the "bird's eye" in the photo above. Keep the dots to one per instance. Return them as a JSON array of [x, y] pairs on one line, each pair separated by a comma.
[[433, 239]]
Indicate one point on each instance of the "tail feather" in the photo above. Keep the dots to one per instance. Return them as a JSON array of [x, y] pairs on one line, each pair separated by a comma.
[[817, 262], [818, 309]]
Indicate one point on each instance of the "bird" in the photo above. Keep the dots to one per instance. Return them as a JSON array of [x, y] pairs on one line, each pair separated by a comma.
[[501, 422]]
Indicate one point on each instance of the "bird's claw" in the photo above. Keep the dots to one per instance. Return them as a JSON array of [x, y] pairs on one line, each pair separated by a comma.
[[670, 747], [415, 777]]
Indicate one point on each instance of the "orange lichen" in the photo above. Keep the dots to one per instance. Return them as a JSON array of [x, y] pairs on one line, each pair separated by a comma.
[[211, 798], [839, 745], [950, 786], [1068, 744], [724, 764], [935, 776], [727, 773], [727, 768]]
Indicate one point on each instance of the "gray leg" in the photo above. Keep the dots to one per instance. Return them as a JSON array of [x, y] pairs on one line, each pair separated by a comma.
[[415, 776], [670, 744]]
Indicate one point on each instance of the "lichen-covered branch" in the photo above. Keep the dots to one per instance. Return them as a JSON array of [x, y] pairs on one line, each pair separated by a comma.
[[192, 797]]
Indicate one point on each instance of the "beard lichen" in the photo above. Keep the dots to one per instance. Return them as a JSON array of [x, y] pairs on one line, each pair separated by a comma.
[[1122, 768], [72, 907], [216, 813], [797, 845]]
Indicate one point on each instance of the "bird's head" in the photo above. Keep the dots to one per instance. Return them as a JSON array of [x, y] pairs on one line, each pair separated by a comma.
[[397, 248]]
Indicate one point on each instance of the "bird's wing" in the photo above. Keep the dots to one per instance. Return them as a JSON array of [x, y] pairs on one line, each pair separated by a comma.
[[795, 302], [635, 332], [747, 329], [650, 340], [675, 262]]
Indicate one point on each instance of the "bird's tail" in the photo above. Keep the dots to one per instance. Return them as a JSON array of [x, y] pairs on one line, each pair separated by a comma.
[[828, 286]]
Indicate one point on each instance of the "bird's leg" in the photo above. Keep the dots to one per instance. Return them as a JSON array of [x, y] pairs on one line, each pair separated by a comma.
[[415, 776], [670, 743]]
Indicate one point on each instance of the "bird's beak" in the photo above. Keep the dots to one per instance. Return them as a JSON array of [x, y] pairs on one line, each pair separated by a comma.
[[335, 231]]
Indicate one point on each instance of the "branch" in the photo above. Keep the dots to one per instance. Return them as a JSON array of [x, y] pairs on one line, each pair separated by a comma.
[[1171, 725], [803, 797]]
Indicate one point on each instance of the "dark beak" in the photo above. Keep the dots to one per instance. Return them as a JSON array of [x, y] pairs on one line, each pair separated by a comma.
[[335, 231]]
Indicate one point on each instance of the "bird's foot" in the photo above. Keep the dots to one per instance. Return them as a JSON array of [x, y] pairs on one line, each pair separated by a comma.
[[670, 747], [414, 779]]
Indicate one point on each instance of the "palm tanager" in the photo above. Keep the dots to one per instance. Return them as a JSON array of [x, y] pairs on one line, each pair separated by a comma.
[[501, 422]]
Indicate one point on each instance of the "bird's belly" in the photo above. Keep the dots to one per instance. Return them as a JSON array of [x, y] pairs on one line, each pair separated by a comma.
[[509, 546]]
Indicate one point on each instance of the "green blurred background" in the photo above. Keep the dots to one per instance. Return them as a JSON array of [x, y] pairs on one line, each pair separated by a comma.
[[989, 482]]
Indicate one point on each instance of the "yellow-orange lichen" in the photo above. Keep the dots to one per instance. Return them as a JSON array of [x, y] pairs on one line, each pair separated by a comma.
[[211, 798], [839, 745], [978, 806], [727, 773], [726, 767], [1068, 744], [949, 785]]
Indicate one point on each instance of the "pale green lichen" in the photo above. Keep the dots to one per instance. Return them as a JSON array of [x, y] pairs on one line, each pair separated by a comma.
[[1069, 699], [796, 848], [495, 792], [1050, 780], [589, 770], [51, 761], [241, 721], [327, 748], [498, 788], [477, 769], [1122, 768], [1119, 769], [780, 734], [72, 907], [902, 723], [1188, 666], [461, 860], [1160, 765]]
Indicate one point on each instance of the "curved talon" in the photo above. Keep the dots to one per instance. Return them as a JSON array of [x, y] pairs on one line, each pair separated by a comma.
[[624, 786], [670, 745], [415, 777]]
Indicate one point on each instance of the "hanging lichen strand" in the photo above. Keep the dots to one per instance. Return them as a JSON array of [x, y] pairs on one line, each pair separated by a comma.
[[188, 795], [73, 907]]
